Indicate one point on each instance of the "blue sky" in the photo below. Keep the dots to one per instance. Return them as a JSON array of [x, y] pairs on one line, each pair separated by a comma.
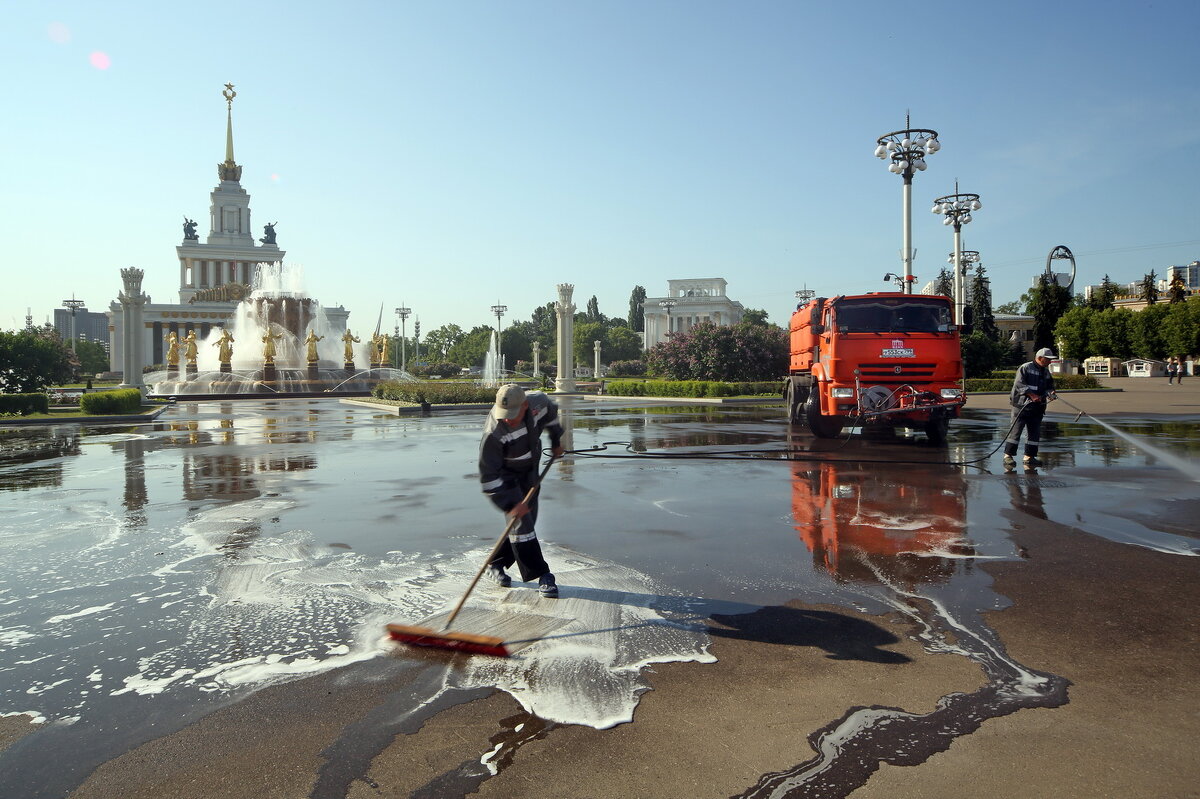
[[452, 155]]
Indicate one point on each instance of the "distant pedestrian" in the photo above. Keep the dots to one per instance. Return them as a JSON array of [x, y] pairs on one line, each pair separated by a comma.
[[1032, 388], [1172, 370], [1182, 371]]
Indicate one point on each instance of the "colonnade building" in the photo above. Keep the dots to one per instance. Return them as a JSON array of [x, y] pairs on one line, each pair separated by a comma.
[[687, 304], [215, 274]]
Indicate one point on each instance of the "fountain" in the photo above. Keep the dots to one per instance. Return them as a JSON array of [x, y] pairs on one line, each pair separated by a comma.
[[491, 364], [281, 342]]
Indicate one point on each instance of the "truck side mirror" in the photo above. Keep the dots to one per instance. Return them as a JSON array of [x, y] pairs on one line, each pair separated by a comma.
[[818, 329]]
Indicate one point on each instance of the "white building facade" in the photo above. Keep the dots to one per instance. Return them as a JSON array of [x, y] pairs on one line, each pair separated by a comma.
[[214, 275], [687, 304]]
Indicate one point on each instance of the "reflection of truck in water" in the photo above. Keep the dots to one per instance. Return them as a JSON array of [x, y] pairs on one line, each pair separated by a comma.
[[879, 359], [866, 525]]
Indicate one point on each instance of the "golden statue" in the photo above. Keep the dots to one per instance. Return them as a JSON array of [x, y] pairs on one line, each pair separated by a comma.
[[269, 346], [172, 349], [190, 350], [311, 341], [381, 346], [225, 342], [350, 340]]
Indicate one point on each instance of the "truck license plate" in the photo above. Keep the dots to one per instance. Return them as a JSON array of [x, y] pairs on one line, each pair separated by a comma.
[[899, 353]]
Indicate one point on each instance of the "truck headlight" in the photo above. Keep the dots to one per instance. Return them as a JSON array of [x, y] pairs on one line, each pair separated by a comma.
[[842, 392], [951, 393]]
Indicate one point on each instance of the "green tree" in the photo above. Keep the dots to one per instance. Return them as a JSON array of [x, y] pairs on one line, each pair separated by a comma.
[[1149, 290], [92, 357], [944, 283], [623, 345], [1072, 331], [545, 324], [31, 360], [1048, 302], [981, 304], [516, 342], [754, 316], [1181, 328], [585, 334], [708, 352], [981, 354], [1108, 333], [440, 340], [637, 319], [1146, 332], [1011, 307], [593, 310], [1103, 299], [1177, 290], [471, 349]]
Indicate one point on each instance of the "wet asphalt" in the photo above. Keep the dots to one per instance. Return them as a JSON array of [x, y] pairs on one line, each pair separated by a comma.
[[862, 591]]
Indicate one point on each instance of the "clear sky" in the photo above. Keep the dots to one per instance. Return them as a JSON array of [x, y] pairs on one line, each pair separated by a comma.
[[451, 155]]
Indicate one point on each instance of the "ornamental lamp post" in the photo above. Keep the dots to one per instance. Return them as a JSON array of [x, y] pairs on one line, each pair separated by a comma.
[[667, 305], [74, 305], [958, 209], [403, 313], [498, 310], [967, 258], [907, 150]]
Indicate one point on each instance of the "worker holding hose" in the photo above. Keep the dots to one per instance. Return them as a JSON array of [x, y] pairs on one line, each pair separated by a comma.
[[508, 468], [1033, 387]]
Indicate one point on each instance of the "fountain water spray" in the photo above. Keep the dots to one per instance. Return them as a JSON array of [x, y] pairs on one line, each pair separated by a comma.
[[1189, 469]]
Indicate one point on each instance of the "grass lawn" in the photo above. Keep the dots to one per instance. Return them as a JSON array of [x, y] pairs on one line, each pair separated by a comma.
[[73, 413]]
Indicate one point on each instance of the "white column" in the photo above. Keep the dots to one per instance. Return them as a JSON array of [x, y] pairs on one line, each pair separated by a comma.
[[959, 282], [132, 301], [596, 371], [537, 351], [565, 382]]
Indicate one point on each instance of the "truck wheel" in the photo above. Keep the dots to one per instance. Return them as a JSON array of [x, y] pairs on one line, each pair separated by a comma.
[[821, 426], [938, 429], [795, 404]]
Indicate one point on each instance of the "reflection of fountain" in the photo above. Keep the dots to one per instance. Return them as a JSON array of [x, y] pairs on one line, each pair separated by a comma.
[[491, 364], [277, 307]]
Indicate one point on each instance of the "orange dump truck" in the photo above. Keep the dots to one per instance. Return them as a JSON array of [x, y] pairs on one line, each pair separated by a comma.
[[878, 359]]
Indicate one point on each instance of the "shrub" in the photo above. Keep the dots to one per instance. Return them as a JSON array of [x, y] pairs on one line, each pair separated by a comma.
[[122, 400], [627, 368], [427, 369], [1061, 382], [456, 393], [23, 404], [691, 388]]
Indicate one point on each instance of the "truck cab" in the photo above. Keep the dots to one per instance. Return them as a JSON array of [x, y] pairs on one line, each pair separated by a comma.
[[877, 359]]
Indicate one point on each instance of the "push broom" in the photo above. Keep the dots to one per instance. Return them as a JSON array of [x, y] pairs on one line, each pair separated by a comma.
[[466, 642]]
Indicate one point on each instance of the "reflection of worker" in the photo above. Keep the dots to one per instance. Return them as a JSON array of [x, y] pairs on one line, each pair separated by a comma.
[[508, 468], [1033, 387]]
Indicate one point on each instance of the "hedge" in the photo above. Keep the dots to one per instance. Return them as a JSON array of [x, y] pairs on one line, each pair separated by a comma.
[[122, 400], [691, 388], [449, 393], [24, 404], [1064, 382]]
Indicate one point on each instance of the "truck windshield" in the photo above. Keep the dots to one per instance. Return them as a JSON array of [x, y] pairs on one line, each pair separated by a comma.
[[892, 315]]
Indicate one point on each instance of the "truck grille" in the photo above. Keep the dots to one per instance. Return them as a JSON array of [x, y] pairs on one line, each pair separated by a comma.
[[888, 370]]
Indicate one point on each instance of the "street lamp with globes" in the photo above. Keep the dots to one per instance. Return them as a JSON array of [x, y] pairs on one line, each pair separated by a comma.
[[907, 150], [958, 209]]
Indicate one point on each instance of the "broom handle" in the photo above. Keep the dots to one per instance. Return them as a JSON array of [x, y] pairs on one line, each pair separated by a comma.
[[499, 543]]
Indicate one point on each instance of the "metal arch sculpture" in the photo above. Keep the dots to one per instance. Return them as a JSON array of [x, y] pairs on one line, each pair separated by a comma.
[[1061, 252]]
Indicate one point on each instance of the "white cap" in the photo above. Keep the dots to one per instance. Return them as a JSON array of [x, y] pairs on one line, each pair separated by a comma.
[[1046, 352], [509, 400]]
